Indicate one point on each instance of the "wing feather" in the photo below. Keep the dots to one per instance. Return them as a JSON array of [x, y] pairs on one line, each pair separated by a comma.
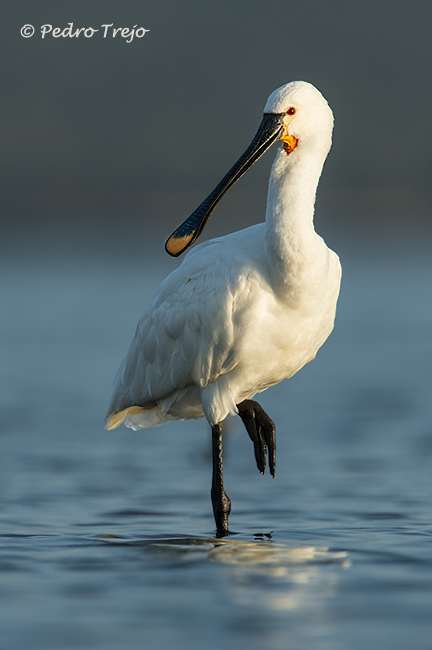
[[184, 337]]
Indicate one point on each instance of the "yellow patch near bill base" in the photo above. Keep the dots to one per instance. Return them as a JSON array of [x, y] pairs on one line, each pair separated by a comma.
[[117, 418], [290, 142], [175, 245]]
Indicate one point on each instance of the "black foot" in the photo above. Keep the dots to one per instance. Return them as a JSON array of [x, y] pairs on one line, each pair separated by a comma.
[[221, 509], [261, 431]]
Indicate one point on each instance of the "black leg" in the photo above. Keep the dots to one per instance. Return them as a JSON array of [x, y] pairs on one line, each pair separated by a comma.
[[220, 499], [261, 431]]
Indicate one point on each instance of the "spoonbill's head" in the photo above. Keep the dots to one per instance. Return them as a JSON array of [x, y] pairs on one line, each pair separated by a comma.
[[295, 113], [307, 117]]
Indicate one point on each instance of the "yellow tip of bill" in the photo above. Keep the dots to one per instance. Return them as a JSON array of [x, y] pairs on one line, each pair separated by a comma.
[[176, 245]]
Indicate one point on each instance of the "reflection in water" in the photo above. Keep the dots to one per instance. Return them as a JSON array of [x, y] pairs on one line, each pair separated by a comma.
[[264, 553], [276, 577], [279, 577]]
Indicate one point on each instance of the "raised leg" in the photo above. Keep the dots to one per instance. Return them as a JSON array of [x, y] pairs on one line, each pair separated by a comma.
[[261, 431], [220, 499]]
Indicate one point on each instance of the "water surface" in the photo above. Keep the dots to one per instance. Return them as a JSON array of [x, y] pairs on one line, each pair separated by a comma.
[[107, 538]]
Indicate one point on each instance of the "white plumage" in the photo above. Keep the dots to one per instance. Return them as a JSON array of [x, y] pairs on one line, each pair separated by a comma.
[[243, 311]]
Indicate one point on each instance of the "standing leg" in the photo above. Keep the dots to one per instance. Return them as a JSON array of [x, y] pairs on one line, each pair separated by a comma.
[[220, 499]]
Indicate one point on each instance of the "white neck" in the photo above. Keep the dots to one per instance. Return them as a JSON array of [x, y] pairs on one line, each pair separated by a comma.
[[291, 241]]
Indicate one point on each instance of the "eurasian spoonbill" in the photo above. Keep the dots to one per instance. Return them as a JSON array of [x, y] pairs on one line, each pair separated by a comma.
[[243, 311]]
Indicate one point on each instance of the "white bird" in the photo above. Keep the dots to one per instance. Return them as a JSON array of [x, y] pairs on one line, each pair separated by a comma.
[[244, 311]]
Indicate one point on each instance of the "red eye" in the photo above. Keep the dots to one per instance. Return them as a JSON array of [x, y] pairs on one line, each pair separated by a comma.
[[291, 111]]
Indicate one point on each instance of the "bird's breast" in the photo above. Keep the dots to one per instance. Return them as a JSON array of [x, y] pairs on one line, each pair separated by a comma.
[[275, 337]]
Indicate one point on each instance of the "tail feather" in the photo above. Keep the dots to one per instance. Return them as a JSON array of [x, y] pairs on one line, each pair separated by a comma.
[[117, 418]]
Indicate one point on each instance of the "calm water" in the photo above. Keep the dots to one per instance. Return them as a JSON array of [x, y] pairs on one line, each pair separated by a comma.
[[106, 538]]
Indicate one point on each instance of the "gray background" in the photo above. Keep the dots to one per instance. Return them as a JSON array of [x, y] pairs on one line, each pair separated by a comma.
[[106, 140]]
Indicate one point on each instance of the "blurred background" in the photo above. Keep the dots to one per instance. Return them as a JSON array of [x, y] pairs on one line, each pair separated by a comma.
[[114, 140], [105, 147]]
